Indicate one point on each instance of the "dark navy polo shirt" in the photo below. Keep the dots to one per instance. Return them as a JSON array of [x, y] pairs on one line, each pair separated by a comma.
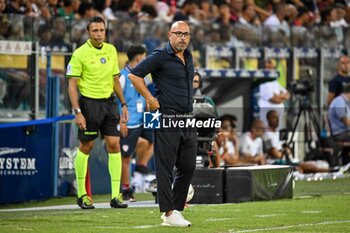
[[173, 79], [337, 83]]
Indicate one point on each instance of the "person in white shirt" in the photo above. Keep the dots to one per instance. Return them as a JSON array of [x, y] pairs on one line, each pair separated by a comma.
[[272, 96], [251, 146], [273, 146], [277, 21], [226, 147]]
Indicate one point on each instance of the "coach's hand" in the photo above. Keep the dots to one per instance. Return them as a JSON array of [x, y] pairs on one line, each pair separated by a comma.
[[153, 104], [80, 121]]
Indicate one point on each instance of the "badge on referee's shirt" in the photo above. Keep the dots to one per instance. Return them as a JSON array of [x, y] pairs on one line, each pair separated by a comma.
[[103, 60]]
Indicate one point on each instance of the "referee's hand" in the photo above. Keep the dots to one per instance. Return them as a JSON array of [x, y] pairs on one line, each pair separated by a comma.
[[80, 121]]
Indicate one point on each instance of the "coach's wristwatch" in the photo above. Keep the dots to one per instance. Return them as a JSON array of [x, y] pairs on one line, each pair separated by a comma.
[[76, 111]]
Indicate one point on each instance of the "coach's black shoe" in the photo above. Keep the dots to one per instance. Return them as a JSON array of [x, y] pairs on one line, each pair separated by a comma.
[[85, 202], [118, 202]]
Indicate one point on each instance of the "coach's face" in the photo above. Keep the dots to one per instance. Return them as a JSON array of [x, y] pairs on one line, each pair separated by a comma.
[[97, 34], [179, 36]]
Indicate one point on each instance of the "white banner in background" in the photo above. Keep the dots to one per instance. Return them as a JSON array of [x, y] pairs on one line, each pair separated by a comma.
[[15, 47]]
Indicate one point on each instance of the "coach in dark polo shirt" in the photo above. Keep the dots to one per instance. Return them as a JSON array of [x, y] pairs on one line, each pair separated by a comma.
[[172, 72]]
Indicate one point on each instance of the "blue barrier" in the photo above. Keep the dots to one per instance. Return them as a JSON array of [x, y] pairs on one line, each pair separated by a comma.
[[28, 164], [36, 122]]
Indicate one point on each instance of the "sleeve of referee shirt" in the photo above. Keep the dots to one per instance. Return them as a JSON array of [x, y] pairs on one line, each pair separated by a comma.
[[74, 67], [116, 70]]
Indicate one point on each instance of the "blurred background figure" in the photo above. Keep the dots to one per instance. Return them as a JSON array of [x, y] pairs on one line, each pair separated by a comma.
[[186, 11], [197, 93], [104, 8], [45, 35], [2, 6], [339, 115], [69, 9], [134, 138], [272, 96], [52, 7], [276, 28], [22, 7], [251, 146], [226, 147], [4, 27], [339, 120], [204, 108], [335, 86], [276, 151], [78, 28]]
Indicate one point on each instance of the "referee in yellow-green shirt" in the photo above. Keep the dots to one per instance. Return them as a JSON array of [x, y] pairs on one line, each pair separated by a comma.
[[93, 69]]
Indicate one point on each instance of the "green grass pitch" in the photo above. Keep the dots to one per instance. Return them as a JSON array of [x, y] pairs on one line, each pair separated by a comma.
[[317, 206]]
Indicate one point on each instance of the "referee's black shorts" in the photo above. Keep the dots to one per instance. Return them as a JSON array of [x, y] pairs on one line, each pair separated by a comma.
[[101, 115]]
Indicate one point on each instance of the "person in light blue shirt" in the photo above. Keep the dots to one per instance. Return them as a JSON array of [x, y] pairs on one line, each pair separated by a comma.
[[339, 115], [134, 138]]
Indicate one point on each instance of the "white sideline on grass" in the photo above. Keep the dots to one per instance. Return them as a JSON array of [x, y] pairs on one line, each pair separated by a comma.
[[290, 226], [68, 207], [133, 227]]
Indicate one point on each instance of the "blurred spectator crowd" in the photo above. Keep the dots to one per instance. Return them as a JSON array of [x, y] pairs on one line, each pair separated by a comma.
[[233, 23]]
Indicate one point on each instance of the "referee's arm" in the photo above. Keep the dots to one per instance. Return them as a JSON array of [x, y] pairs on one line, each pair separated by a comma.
[[74, 100], [73, 92], [118, 88]]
